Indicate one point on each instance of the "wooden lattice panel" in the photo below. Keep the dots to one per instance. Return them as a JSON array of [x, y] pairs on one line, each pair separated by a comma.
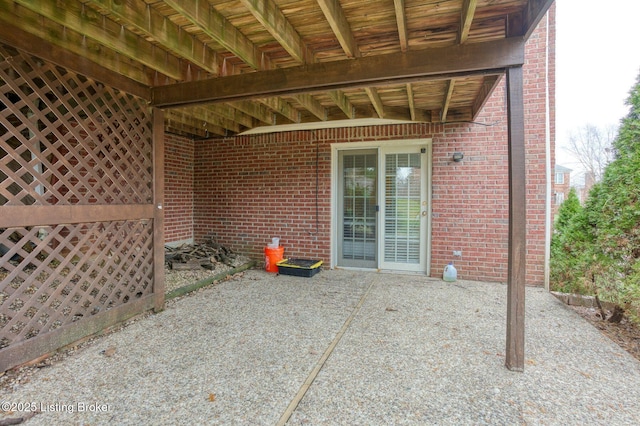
[[67, 140], [78, 229], [52, 276]]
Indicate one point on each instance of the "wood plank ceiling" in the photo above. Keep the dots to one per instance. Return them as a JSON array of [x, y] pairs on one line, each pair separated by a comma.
[[245, 46]]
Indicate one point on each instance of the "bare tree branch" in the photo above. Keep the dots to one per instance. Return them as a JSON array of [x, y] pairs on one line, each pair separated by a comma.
[[592, 148]]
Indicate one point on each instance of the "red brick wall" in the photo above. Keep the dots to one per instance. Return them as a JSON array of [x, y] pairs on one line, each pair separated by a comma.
[[178, 181], [535, 89], [248, 189]]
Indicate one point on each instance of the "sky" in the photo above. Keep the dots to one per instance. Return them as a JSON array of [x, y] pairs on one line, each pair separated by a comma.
[[597, 63]]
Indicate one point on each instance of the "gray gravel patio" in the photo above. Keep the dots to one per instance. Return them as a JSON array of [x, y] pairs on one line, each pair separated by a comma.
[[397, 349]]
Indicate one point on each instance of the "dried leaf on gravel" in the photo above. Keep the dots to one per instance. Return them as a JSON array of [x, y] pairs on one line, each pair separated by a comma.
[[625, 333], [110, 351]]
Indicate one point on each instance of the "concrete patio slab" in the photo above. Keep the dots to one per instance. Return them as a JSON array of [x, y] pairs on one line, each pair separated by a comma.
[[387, 349]]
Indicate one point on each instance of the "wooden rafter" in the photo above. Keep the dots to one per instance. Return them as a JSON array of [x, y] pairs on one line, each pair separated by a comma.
[[466, 18], [524, 23], [74, 16], [135, 44], [283, 108], [401, 19], [489, 83], [207, 18], [534, 12], [412, 104], [180, 119], [17, 19], [447, 99], [274, 21], [437, 63], [216, 26], [312, 105], [374, 97], [227, 112], [340, 26], [76, 60], [255, 110], [340, 99], [208, 116], [156, 26]]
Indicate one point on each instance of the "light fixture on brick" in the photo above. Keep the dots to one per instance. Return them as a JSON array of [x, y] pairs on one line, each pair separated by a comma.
[[458, 156]]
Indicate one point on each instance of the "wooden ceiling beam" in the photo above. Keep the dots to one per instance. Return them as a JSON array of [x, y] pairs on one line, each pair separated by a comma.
[[374, 97], [230, 113], [172, 127], [155, 25], [208, 116], [437, 63], [534, 12], [466, 18], [312, 105], [75, 16], [110, 71], [340, 26], [216, 26], [283, 108], [488, 86], [457, 115], [340, 99], [180, 120], [401, 19], [272, 18], [255, 110], [411, 101], [523, 24], [447, 99], [394, 113], [220, 29], [274, 21]]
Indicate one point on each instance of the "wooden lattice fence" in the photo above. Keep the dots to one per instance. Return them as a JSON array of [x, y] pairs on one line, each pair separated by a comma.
[[79, 226]]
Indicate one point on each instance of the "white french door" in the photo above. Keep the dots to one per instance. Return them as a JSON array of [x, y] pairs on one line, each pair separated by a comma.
[[384, 208], [357, 208], [404, 211]]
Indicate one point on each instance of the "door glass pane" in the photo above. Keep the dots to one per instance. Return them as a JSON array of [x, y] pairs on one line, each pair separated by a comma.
[[402, 208], [359, 202]]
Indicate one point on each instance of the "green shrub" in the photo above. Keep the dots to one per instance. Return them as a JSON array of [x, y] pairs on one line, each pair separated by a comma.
[[596, 249]]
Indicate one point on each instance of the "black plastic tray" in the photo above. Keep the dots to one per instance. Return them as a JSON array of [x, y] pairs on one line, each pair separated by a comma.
[[299, 267]]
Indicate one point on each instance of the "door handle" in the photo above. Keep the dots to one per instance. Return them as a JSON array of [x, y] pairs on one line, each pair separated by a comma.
[[424, 213]]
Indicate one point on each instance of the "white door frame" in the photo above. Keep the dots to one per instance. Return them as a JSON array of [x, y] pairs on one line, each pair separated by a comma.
[[381, 146]]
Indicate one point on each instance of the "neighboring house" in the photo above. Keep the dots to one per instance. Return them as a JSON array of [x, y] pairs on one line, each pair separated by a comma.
[[583, 190], [561, 186]]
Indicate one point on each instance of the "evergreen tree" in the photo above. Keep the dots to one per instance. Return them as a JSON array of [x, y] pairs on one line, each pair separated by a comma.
[[569, 244], [569, 208], [596, 249], [617, 214]]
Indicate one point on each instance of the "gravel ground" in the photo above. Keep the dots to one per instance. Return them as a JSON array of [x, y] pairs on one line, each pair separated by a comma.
[[414, 351], [175, 279]]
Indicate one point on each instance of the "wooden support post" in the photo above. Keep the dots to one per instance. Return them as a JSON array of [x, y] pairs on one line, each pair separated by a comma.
[[158, 213], [517, 221]]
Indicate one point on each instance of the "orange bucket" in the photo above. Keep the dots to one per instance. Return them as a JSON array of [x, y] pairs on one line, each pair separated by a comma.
[[271, 257]]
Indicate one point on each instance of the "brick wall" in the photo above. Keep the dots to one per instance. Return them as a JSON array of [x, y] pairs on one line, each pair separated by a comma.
[[248, 189], [535, 88], [178, 181]]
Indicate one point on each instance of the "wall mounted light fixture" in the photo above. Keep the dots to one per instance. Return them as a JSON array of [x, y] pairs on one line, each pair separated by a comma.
[[458, 156]]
